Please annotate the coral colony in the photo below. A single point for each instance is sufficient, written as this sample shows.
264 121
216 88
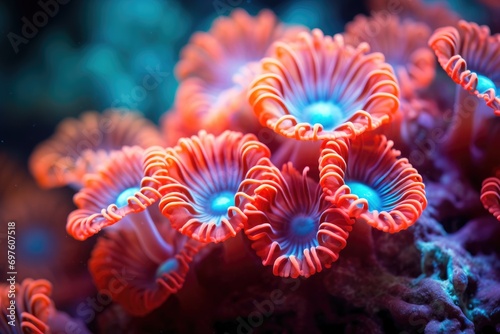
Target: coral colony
300 183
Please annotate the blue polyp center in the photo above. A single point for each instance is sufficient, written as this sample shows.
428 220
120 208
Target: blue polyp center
168 266
363 191
327 114
121 200
220 202
302 226
484 83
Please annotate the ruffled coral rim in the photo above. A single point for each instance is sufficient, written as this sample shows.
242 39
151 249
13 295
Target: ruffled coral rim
406 194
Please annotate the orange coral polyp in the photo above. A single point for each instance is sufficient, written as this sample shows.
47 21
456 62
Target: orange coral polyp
34 310
99 202
78 146
231 42
199 179
371 161
213 68
291 225
321 69
146 282
467 53
403 43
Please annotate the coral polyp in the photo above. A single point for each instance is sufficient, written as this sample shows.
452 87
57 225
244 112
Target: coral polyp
404 44
116 190
470 54
145 280
317 87
28 308
367 178
199 181
216 67
80 145
291 225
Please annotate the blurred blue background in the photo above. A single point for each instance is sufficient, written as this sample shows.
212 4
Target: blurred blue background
63 57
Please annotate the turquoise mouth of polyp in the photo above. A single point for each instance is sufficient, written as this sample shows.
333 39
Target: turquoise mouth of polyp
220 202
484 83
302 226
363 191
325 113
167 267
122 199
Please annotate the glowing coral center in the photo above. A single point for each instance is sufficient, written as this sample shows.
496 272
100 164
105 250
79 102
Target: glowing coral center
325 113
167 267
363 191
220 202
122 199
302 226
484 83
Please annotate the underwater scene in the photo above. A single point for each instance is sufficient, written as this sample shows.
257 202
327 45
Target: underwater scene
250 166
